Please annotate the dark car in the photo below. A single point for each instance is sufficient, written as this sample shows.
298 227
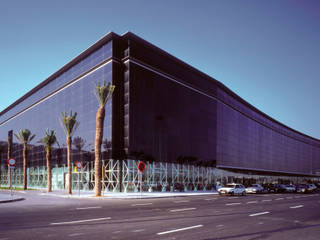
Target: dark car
305 188
274 188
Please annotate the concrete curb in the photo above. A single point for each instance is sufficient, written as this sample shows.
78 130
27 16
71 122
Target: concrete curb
12 200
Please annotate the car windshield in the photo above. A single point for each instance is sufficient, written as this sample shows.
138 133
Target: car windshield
231 185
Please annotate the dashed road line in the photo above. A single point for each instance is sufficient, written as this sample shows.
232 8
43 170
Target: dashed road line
75 234
210 199
182 201
220 225
277 199
231 204
252 202
182 209
232 197
141 204
267 200
84 208
258 214
180 229
299 206
138 230
81 221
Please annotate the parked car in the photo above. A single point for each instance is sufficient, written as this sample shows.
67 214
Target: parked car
306 188
233 189
269 187
255 188
280 188
302 188
312 187
290 188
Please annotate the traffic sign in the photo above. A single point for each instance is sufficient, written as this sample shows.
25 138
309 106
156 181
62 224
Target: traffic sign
79 165
12 162
141 166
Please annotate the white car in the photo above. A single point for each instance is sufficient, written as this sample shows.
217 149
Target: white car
290 188
255 188
233 189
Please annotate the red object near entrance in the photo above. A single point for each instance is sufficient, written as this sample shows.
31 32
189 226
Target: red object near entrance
141 166
12 162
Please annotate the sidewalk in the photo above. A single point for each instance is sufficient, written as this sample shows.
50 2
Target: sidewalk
122 195
5 197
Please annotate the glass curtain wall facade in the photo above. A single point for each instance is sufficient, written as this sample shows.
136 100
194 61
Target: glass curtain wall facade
73 89
190 129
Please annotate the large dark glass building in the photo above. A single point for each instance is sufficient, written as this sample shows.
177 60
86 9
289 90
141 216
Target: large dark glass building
190 129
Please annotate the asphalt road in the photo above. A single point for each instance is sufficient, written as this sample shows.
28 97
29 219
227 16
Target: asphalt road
266 216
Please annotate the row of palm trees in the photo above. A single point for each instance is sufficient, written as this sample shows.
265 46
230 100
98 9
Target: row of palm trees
70 124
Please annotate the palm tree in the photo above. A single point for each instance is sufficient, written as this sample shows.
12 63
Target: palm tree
70 125
24 137
47 142
104 94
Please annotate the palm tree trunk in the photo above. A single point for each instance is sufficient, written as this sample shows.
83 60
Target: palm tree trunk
97 146
49 172
24 166
69 142
0 167
9 156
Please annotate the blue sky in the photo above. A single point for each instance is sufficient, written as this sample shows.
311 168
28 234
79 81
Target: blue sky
266 51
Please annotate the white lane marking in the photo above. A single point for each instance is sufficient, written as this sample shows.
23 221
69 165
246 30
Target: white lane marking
141 204
220 225
81 221
84 208
75 234
180 229
138 230
231 204
182 209
260 223
267 200
252 202
210 199
232 197
182 201
299 206
279 199
257 214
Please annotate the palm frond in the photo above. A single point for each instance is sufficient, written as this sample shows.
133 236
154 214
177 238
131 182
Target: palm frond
104 92
23 136
69 123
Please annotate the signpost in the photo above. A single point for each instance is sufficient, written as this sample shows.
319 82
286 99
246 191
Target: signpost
79 167
12 164
141 168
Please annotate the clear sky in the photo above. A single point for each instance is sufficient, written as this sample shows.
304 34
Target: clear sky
268 52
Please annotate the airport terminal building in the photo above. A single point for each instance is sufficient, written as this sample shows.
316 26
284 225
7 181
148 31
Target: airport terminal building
190 129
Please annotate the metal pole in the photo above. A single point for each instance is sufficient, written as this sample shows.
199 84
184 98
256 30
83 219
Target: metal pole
79 181
11 172
140 184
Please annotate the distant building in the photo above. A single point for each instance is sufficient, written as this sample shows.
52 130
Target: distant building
191 130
